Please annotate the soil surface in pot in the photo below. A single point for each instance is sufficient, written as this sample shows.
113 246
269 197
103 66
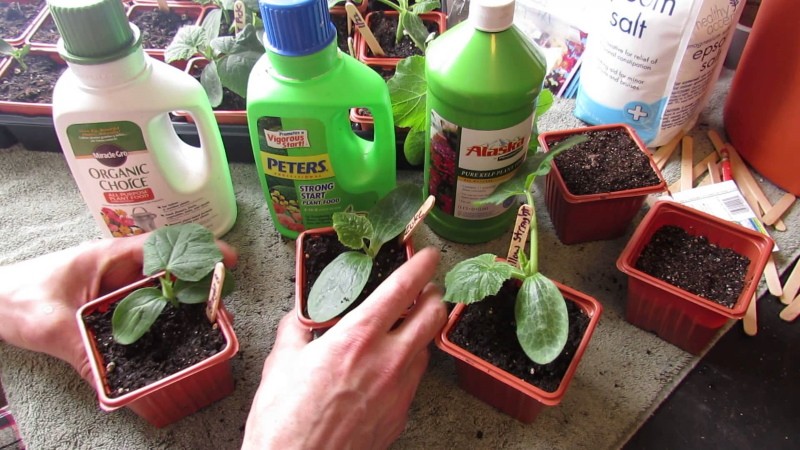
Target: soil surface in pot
180 338
384 27
487 329
695 265
320 250
340 22
46 33
16 17
34 85
159 27
609 161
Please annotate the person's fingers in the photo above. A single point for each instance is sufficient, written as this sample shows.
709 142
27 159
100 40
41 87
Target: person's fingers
393 297
291 334
411 378
229 254
425 319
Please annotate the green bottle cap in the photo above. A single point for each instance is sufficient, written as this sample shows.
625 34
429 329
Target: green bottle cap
93 31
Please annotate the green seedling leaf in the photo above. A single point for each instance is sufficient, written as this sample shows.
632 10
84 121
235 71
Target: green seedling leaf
544 102
476 278
245 41
338 285
189 40
424 6
211 24
414 147
416 30
234 70
209 79
188 251
6 48
135 314
407 89
197 292
391 214
542 320
352 229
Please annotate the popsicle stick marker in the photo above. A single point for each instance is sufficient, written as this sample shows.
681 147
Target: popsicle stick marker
792 311
419 217
215 293
750 321
351 46
519 236
687 161
361 27
163 6
792 286
773 278
239 12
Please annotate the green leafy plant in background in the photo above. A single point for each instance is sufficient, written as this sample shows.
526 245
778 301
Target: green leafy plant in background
187 255
230 58
18 54
540 310
341 282
408 91
409 22
227 6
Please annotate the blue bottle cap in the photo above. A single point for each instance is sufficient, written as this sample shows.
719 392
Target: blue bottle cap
296 27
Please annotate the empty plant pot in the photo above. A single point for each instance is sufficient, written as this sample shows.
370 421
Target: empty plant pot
502 390
178 395
598 216
302 261
678 316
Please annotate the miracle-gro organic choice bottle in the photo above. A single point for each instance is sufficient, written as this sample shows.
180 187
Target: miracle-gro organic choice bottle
111 113
483 76
310 162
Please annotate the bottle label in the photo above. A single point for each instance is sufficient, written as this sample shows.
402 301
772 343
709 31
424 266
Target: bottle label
121 182
303 192
467 165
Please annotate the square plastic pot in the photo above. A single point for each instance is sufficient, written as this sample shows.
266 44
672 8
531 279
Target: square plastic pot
502 390
675 315
363 54
300 277
18 38
193 12
593 217
176 396
21 108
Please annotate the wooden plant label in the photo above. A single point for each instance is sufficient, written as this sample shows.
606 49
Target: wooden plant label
361 27
162 6
420 215
215 293
238 16
520 234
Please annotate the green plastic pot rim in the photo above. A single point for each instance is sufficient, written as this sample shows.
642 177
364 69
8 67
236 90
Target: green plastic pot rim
588 304
108 403
300 277
661 186
627 258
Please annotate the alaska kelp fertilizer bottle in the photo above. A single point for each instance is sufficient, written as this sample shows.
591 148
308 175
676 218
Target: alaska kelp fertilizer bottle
111 113
484 76
310 162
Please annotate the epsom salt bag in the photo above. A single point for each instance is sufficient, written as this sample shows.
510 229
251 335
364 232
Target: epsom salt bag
652 63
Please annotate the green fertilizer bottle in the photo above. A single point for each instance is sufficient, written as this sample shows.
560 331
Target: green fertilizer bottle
310 162
483 76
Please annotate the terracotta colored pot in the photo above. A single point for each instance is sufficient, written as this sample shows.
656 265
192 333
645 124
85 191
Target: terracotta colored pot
19 38
675 315
365 120
191 11
502 390
22 108
300 277
176 396
593 217
226 117
363 54
361 7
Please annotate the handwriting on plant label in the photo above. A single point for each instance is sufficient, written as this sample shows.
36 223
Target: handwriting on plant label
215 292
420 215
238 16
520 234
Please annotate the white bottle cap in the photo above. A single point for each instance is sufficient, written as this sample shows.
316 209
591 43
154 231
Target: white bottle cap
491 15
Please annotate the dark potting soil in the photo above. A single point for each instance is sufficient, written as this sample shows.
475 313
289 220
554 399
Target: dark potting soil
34 85
695 265
16 17
46 33
320 250
340 22
384 28
487 329
180 338
159 27
609 161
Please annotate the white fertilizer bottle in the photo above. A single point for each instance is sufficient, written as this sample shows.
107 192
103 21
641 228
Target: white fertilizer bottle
111 113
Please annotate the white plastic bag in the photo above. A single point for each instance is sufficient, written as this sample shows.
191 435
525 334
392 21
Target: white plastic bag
652 63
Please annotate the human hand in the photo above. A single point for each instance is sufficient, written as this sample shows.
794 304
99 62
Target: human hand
352 387
40 297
